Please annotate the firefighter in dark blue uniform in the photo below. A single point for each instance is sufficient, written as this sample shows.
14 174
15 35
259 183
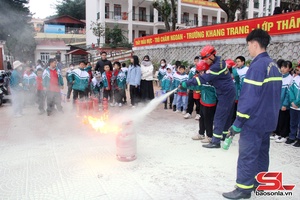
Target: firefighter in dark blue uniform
218 76
257 115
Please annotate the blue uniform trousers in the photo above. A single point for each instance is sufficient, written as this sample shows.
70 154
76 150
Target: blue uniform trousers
253 157
223 116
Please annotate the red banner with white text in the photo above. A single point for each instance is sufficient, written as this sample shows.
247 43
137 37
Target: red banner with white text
287 23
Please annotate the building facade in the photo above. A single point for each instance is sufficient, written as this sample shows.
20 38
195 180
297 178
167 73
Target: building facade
138 17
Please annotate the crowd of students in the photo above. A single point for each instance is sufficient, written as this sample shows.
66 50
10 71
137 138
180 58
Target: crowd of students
110 80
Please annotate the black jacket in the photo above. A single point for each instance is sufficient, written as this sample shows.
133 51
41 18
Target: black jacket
100 65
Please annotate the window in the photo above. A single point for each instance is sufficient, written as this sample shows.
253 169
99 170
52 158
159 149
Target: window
222 20
185 18
133 13
204 20
107 11
142 14
195 19
117 11
214 20
45 57
142 33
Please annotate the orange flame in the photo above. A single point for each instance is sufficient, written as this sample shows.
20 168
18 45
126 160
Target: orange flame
101 124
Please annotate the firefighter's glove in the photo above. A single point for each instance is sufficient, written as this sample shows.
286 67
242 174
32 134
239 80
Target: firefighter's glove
234 130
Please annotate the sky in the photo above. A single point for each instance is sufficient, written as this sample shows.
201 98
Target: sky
42 8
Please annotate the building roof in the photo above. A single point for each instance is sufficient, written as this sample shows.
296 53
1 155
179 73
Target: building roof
65 19
78 52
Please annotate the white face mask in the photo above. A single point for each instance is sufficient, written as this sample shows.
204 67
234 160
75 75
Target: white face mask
163 64
71 68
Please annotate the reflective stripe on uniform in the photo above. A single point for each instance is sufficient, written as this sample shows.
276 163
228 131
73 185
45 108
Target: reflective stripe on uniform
225 132
198 81
244 186
217 136
218 73
242 115
258 83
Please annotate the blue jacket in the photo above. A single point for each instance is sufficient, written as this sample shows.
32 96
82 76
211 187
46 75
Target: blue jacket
15 80
218 76
260 96
134 75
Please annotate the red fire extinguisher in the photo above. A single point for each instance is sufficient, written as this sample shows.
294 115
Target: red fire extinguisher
105 104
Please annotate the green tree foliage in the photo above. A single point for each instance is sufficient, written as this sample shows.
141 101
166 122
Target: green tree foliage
73 8
168 10
16 29
229 7
115 37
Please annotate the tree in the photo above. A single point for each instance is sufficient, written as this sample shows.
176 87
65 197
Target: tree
167 9
98 30
16 29
243 9
229 7
116 37
73 8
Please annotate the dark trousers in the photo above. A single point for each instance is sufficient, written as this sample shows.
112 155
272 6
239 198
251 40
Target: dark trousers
206 121
108 95
53 99
283 125
223 116
40 94
69 91
119 95
170 100
78 93
134 92
147 92
191 102
294 124
253 157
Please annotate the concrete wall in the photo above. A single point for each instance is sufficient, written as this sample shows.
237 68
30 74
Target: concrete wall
284 46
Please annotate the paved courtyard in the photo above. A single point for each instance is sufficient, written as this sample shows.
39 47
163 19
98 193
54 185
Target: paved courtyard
60 157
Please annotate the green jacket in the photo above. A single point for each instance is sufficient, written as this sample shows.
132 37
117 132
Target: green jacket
80 78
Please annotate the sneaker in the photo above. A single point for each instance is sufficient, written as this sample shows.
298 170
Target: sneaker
120 104
112 105
132 106
280 140
197 117
274 137
297 144
177 111
289 141
184 112
116 104
187 116
206 140
198 137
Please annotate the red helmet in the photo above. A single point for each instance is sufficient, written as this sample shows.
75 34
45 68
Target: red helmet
202 65
230 63
207 51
